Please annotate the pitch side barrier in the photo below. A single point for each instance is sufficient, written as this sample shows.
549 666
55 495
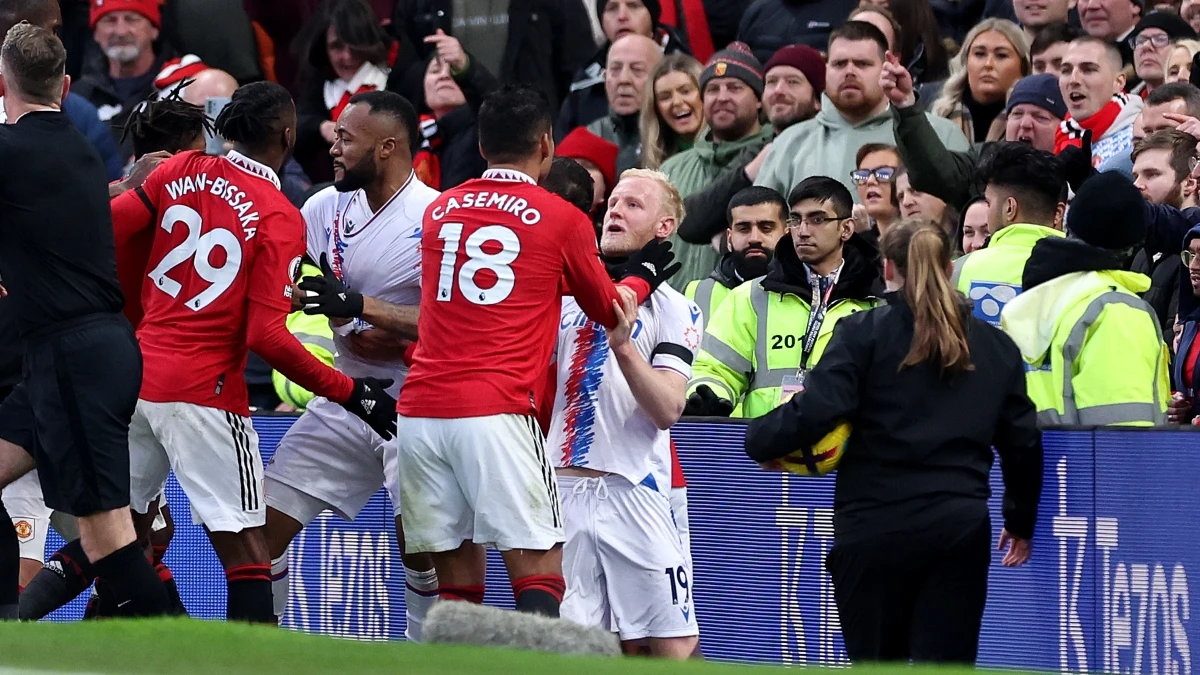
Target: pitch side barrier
1108 589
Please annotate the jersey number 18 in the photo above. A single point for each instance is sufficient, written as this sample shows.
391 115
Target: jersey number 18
498 263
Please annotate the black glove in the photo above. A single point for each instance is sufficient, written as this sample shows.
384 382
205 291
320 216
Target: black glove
1077 162
653 263
333 298
704 403
371 402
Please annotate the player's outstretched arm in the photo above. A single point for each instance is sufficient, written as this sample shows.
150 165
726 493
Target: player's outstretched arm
330 296
659 392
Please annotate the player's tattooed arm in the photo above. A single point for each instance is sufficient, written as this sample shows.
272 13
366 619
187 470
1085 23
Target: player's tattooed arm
400 320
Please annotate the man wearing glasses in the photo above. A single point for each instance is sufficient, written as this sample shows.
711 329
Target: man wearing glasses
1152 40
760 343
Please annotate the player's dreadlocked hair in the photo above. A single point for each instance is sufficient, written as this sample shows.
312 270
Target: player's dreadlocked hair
165 123
254 114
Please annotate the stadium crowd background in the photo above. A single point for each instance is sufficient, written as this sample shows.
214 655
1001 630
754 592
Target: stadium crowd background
738 102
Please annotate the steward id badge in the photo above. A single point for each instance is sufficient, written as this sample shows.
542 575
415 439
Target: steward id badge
792 385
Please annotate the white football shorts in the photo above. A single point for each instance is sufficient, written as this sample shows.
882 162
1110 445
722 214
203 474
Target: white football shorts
480 479
625 567
214 455
679 508
330 459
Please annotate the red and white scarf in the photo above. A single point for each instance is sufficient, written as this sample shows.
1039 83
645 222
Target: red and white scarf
1111 117
369 77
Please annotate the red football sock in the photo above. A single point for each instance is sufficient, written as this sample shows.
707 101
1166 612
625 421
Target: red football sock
472 594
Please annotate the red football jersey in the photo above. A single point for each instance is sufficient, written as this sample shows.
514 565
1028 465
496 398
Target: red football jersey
224 236
494 254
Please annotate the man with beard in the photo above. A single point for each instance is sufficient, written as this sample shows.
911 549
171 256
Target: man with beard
854 112
365 230
122 75
630 61
1034 112
768 332
1162 172
756 222
795 80
730 88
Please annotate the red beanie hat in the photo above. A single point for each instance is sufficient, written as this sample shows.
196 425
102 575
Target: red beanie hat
147 8
583 144
805 59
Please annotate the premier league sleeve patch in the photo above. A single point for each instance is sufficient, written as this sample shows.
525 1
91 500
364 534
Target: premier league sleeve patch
989 299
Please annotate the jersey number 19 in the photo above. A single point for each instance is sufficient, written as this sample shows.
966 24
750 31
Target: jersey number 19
498 263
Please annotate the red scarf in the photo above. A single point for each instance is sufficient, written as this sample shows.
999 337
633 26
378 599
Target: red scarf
1070 132
426 163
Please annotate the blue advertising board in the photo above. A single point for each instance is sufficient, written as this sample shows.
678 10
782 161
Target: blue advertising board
1107 589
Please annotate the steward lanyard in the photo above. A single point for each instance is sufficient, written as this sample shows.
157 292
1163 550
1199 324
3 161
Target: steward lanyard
816 313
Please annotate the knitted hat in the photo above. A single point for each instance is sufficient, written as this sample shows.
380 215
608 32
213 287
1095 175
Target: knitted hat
1107 213
583 144
1168 22
803 58
736 61
147 8
177 70
653 6
1041 90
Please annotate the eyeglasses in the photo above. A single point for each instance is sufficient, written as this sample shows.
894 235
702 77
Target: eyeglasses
815 220
1158 41
1187 257
883 174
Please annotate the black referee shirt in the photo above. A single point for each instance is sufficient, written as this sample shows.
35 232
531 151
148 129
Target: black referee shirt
57 258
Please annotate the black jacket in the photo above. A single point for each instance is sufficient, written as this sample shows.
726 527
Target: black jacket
459 152
769 25
548 40
1163 295
97 87
921 448
587 100
860 276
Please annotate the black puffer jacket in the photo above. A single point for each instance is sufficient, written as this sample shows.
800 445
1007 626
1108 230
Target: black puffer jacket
548 40
97 87
587 100
769 25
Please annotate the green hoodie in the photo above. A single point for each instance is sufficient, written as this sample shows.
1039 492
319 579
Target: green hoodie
827 144
693 170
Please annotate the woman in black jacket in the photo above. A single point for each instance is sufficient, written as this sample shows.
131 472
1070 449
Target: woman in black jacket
929 390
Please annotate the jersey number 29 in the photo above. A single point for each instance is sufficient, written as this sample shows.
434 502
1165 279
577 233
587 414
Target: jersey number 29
197 248
498 263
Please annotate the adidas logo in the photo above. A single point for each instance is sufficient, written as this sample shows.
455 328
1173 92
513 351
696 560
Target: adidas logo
56 567
368 405
650 266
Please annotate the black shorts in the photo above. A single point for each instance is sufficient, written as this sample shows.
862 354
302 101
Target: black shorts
71 411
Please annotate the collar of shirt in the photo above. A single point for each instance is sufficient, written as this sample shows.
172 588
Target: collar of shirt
814 278
508 175
252 167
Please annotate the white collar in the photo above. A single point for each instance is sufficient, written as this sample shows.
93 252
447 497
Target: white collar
253 168
33 110
511 175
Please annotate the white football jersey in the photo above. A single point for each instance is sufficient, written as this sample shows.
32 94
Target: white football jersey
376 254
597 424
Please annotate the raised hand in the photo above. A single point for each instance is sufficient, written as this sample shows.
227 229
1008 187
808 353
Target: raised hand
897 83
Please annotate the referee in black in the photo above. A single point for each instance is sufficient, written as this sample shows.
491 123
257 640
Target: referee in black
82 366
929 391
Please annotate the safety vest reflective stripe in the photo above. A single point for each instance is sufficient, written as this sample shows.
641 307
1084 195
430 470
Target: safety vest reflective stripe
726 354
317 341
703 298
1111 413
765 377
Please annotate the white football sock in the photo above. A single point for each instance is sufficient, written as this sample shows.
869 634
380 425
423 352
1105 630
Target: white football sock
420 592
280 584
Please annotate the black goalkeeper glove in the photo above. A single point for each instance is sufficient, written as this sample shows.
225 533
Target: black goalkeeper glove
371 402
1076 162
653 263
329 296
704 403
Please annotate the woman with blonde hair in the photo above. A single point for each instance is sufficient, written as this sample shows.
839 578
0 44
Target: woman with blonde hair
928 390
1179 61
672 112
994 56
